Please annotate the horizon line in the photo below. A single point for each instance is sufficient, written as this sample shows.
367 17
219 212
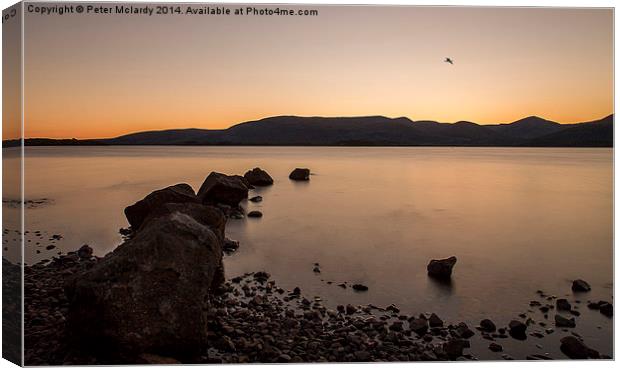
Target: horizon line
322 117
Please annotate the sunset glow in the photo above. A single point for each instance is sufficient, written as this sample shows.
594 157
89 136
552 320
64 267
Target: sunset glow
103 76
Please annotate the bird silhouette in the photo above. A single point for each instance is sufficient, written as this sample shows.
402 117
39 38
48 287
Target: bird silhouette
448 60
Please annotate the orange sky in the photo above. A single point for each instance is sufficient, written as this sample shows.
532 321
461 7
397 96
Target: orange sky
102 76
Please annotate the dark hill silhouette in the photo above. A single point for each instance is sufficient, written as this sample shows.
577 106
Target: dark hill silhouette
598 133
368 131
528 128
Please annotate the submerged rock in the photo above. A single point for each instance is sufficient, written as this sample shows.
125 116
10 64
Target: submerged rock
300 174
139 211
148 295
255 214
580 285
256 199
258 177
359 287
576 349
494 347
441 268
222 188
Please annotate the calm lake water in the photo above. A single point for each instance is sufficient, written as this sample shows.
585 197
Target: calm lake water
518 219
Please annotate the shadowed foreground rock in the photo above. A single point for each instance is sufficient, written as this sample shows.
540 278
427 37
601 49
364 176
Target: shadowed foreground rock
258 177
148 295
138 212
441 268
224 189
576 349
300 174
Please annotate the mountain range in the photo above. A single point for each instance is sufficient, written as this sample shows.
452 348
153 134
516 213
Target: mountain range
532 131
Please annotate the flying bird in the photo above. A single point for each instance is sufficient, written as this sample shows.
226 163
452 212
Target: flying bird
448 60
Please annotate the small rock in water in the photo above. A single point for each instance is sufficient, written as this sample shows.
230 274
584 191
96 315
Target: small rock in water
230 245
563 305
258 177
487 325
580 286
300 174
606 309
350 309
360 287
561 321
441 268
50 247
343 285
296 291
316 269
517 329
464 331
495 347
255 214
256 199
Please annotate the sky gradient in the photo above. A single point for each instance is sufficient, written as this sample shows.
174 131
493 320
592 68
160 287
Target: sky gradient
90 76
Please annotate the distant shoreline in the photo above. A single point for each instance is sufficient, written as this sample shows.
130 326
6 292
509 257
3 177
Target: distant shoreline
365 131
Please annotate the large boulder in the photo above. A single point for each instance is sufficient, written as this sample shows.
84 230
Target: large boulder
300 174
148 296
258 177
210 216
223 189
441 268
138 212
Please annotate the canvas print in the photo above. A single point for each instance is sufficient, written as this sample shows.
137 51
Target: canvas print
284 183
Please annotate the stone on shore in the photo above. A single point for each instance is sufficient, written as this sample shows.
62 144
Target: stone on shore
300 174
224 189
258 177
85 252
148 295
139 211
435 321
576 349
441 268
418 325
580 285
